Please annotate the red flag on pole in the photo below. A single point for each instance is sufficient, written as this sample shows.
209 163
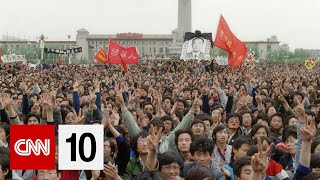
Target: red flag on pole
59 59
101 56
227 41
132 57
114 52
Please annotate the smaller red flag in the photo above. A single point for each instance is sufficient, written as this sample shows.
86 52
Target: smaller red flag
59 59
101 56
132 57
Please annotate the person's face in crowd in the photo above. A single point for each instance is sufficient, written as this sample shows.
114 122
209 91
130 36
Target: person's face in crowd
181 95
197 44
261 133
148 108
48 175
167 126
242 151
180 106
207 124
234 123
263 121
107 149
142 145
59 101
289 143
3 136
112 93
246 173
170 171
296 96
285 92
143 92
112 119
197 129
276 122
32 121
166 105
195 93
187 95
222 136
246 120
123 126
211 102
184 141
189 102
147 83
216 115
198 110
271 111
34 99
69 118
315 110
202 158
293 121
317 149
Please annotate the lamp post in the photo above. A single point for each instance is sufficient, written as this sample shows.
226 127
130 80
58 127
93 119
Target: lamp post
42 38
261 52
286 58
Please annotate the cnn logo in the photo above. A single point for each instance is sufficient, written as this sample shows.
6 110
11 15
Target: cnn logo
36 147
32 147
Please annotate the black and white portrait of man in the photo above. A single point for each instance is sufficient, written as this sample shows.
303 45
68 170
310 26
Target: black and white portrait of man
197 49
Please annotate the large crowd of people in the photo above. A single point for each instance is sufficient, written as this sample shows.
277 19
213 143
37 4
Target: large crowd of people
173 120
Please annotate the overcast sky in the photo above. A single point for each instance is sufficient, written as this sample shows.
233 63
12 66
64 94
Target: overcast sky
295 22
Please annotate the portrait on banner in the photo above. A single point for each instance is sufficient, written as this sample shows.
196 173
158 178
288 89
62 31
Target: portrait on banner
196 46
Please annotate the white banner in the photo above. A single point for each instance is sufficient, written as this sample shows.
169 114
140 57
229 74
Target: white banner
222 61
13 58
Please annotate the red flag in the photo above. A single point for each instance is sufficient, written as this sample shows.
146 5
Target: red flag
227 41
59 59
114 52
124 64
101 56
132 57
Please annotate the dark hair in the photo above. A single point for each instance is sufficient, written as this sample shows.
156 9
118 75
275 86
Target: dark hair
231 115
196 121
112 145
200 172
182 131
314 145
166 118
239 164
134 141
205 117
156 122
169 98
312 176
287 119
6 128
240 141
256 127
5 165
149 175
182 101
218 128
201 144
289 131
298 93
32 115
315 160
170 157
109 134
253 149
279 115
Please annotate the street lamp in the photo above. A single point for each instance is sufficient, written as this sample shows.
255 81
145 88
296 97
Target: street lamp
286 58
42 38
261 52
